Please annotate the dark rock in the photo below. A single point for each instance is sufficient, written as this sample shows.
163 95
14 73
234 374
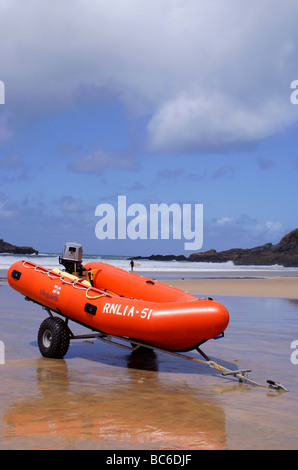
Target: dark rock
284 253
22 250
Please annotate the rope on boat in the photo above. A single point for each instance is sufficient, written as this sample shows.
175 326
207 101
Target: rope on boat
76 283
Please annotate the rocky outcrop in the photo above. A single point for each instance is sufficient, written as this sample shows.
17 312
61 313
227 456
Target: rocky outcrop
22 250
284 253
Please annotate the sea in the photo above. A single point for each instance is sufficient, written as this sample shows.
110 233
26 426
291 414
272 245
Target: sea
160 269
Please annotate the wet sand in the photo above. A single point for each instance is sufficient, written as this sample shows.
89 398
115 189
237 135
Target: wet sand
104 397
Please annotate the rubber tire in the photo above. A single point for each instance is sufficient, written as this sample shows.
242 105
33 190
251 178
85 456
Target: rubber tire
53 338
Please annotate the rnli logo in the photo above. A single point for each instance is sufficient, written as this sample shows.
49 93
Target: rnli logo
56 290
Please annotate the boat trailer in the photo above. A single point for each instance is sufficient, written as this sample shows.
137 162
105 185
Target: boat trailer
240 374
134 345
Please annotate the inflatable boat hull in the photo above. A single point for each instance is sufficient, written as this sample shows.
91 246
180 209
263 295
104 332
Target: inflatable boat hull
173 320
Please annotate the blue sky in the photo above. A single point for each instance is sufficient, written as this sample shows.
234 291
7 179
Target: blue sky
167 101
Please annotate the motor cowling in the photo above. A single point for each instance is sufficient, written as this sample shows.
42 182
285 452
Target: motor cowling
72 257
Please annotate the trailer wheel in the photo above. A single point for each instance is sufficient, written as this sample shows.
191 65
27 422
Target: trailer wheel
53 338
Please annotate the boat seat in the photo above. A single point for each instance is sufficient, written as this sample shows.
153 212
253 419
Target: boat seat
70 276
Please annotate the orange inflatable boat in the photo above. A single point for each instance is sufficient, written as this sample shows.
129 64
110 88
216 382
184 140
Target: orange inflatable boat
117 304
120 303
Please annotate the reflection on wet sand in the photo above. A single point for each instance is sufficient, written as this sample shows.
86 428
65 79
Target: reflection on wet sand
140 411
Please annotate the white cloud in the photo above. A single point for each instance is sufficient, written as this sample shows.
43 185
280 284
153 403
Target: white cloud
245 223
206 74
274 227
200 123
224 220
245 231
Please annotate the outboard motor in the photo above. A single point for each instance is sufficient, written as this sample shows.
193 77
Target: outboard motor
72 256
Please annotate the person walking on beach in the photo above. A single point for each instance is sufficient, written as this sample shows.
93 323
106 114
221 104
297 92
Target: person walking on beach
132 263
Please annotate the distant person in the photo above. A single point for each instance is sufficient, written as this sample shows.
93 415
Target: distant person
132 263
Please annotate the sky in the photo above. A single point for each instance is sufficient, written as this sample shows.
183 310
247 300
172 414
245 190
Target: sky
160 101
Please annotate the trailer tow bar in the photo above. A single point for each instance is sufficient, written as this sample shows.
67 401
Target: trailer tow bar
240 374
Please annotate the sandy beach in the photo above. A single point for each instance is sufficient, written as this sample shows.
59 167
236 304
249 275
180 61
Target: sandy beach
103 397
284 287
